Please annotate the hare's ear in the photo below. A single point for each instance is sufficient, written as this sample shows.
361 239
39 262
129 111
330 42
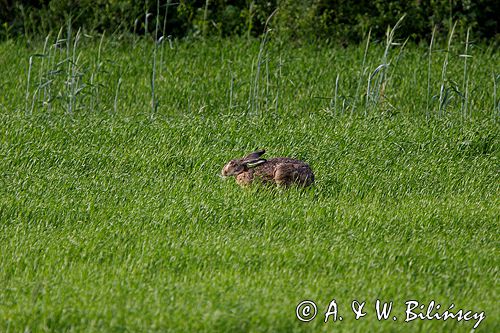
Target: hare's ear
253 157
254 163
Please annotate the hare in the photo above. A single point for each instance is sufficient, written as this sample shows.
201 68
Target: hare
281 171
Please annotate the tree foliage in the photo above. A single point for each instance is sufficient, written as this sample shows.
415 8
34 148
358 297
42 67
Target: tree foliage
344 21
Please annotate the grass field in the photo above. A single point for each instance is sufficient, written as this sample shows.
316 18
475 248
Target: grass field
113 217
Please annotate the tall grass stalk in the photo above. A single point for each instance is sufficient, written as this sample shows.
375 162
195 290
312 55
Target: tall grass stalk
154 103
29 110
94 82
429 70
278 85
394 64
68 72
205 16
389 43
336 92
267 82
250 19
42 66
255 91
41 84
231 87
369 87
362 72
146 21
27 95
465 88
255 94
74 75
163 32
53 57
442 95
496 105
117 92
134 34
381 70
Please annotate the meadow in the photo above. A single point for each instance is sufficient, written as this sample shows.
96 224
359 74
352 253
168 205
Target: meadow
113 216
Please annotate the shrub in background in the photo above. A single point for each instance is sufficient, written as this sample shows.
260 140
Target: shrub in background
344 21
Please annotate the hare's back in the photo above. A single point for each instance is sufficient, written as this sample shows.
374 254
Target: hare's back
289 171
268 169
286 160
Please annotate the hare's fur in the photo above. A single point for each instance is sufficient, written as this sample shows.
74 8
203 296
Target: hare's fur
281 171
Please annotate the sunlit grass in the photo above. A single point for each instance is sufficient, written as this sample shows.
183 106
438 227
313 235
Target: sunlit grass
115 219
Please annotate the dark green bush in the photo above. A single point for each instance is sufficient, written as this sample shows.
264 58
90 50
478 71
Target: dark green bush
344 21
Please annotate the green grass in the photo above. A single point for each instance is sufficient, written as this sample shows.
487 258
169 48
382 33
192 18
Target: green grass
113 218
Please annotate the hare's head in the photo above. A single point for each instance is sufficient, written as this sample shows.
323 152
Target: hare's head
237 166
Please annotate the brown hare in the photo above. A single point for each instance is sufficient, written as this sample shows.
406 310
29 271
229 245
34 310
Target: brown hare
281 170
